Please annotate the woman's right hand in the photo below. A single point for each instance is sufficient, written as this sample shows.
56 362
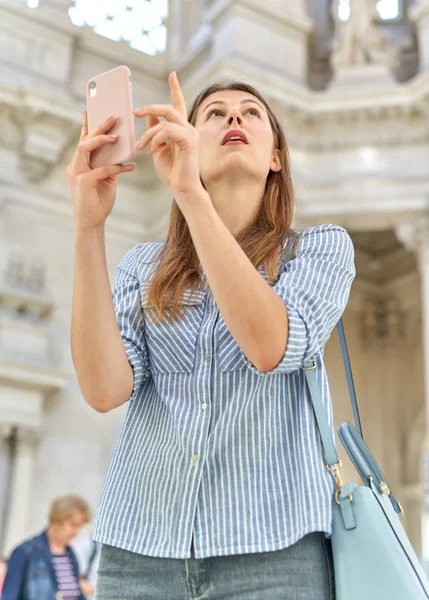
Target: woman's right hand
93 190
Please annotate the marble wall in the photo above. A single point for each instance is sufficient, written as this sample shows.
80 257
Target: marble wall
359 154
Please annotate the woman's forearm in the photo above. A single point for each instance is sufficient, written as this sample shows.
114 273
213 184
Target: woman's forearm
104 373
255 315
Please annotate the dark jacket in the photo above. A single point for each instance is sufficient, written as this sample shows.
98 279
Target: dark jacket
30 573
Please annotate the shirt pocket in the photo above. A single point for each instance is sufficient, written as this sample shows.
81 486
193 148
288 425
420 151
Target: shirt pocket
229 355
172 344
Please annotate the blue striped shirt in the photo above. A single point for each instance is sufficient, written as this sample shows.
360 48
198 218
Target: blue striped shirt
209 446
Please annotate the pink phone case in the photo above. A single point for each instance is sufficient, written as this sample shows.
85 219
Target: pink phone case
113 96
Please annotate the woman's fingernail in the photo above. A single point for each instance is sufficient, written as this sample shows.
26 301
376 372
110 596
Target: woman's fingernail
113 137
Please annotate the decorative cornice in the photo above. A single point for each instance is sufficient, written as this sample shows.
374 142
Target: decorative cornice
294 18
42 131
41 379
319 121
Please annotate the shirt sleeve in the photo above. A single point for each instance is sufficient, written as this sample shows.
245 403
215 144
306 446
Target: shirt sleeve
129 315
315 287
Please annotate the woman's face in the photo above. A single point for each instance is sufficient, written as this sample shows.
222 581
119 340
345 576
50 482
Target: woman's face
253 155
69 528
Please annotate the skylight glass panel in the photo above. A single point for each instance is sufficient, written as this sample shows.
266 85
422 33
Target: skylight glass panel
143 44
158 37
344 10
108 30
146 16
387 9
75 17
92 12
114 7
127 26
139 22
161 7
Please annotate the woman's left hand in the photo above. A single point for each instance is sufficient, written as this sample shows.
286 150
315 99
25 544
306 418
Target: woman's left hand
174 143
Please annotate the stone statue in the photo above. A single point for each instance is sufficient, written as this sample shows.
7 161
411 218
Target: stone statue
360 41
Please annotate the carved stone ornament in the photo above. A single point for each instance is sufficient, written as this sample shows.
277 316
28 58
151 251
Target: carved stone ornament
383 320
22 287
360 41
414 234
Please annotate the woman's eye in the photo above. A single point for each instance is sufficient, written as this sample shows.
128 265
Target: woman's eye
214 111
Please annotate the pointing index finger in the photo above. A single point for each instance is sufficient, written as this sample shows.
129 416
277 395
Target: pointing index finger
176 94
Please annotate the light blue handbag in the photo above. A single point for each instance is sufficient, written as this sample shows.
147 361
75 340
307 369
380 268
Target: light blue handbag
373 558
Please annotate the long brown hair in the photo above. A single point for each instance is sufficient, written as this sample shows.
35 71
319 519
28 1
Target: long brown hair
262 241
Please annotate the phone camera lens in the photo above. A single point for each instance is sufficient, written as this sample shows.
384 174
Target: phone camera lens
92 85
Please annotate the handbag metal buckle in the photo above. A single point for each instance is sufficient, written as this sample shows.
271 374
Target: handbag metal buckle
337 493
335 470
310 368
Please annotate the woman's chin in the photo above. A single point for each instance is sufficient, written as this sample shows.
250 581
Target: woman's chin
230 164
231 168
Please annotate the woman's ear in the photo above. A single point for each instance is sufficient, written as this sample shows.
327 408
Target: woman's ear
276 163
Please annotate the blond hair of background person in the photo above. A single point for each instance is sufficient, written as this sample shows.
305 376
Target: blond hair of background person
44 567
217 487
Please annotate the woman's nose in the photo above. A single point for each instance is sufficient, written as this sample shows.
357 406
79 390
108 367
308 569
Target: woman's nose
234 116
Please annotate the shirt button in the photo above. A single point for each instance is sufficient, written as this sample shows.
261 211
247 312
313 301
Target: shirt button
205 357
204 406
195 458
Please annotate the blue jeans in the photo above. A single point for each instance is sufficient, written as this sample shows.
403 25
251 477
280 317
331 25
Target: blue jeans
303 571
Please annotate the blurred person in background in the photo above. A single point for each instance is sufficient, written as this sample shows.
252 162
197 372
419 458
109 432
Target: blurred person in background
45 567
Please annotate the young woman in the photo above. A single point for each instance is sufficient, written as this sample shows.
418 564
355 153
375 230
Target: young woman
217 486
45 567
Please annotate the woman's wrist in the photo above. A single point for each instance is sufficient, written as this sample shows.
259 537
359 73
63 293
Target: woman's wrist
85 233
193 200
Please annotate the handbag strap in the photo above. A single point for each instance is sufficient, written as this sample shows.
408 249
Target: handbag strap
309 368
349 375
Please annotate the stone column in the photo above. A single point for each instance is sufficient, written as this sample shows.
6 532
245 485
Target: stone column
419 15
415 235
20 489
5 465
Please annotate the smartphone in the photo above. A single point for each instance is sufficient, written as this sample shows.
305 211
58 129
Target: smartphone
110 93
